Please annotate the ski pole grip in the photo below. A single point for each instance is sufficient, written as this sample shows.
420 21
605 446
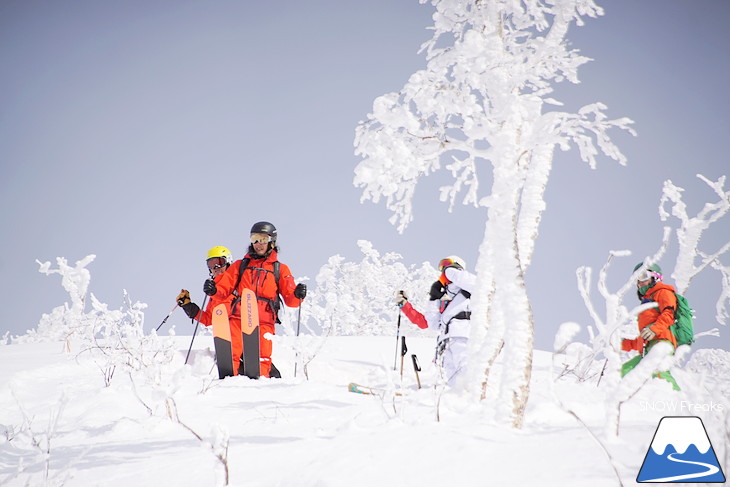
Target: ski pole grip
415 362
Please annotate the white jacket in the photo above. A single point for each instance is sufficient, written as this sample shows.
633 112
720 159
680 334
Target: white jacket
441 314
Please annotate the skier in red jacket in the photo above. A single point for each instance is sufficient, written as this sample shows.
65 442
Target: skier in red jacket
259 275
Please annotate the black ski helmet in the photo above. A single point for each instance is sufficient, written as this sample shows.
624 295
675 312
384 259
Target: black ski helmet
267 228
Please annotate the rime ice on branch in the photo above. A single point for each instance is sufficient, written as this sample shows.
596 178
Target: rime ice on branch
75 280
689 234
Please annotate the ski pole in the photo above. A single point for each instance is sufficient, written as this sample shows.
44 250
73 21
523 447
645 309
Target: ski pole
602 371
166 317
299 320
197 322
403 351
397 335
416 368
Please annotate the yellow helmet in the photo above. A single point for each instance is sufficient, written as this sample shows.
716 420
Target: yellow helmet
220 251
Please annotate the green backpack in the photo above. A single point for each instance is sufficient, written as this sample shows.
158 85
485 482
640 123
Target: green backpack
683 329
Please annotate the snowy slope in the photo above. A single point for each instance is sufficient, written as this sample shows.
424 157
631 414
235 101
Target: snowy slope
293 431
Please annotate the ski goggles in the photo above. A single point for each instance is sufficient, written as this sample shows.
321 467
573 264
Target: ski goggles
260 238
215 263
646 274
444 263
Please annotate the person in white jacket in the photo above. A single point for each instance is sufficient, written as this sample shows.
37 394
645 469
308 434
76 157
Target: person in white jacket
449 312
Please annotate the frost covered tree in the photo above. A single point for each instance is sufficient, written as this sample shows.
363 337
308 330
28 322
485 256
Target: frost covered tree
689 234
113 338
482 108
357 298
65 322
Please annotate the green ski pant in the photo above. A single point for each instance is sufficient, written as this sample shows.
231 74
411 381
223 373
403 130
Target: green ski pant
666 375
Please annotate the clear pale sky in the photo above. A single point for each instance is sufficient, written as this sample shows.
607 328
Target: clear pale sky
147 132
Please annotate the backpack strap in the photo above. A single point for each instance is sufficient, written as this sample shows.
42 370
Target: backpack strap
243 265
674 310
236 297
463 315
275 304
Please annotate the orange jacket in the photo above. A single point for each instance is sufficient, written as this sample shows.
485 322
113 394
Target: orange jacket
659 318
259 277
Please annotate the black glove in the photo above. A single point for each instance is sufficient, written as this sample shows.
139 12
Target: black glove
191 309
300 291
401 298
437 290
183 298
209 287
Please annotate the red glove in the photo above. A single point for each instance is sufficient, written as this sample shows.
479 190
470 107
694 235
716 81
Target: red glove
628 345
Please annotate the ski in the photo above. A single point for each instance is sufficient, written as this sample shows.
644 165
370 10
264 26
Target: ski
250 331
222 341
361 389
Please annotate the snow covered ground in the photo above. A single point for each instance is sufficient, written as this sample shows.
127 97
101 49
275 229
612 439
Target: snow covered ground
60 424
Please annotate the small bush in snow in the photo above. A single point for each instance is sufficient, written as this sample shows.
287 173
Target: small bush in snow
358 298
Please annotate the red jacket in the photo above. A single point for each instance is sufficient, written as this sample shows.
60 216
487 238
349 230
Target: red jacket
259 277
414 315
658 318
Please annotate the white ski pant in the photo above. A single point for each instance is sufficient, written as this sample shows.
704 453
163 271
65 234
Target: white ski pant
453 359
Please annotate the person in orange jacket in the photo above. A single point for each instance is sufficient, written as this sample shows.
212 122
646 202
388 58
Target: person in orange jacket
654 322
218 260
259 275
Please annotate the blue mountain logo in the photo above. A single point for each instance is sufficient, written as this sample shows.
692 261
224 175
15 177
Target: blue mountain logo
681 452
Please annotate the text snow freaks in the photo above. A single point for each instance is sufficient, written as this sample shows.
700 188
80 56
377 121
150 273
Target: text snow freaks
680 407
